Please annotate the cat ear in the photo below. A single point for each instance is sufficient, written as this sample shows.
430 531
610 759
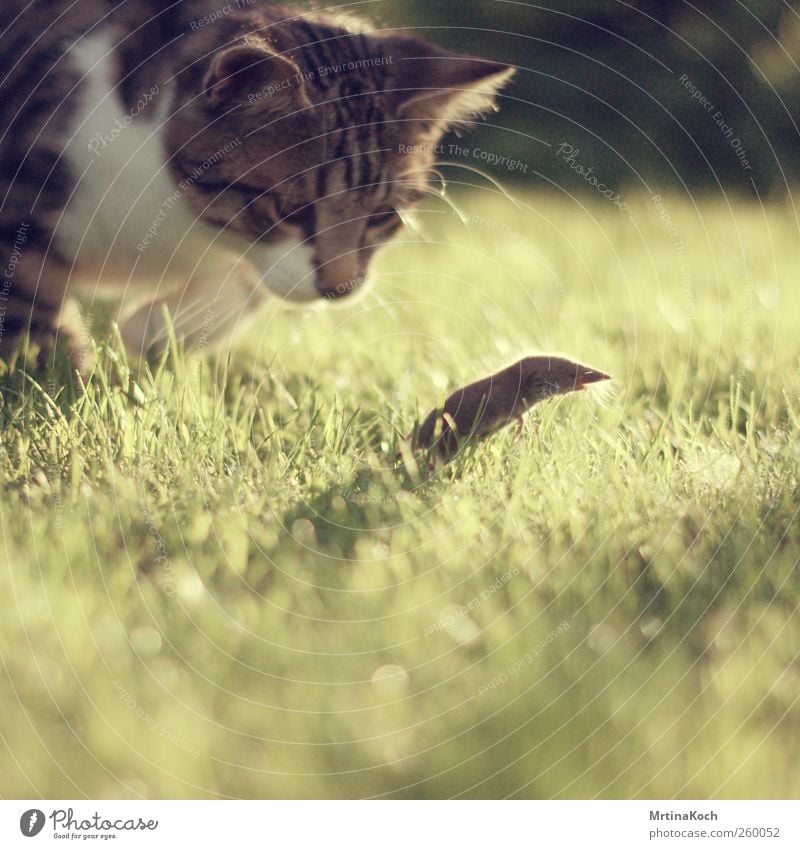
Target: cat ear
443 88
255 75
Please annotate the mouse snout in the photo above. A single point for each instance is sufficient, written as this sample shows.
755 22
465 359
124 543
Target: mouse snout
587 376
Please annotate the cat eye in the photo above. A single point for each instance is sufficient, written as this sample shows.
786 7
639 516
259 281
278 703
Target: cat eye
382 216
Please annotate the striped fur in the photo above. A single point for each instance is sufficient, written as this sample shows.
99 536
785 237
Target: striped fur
199 156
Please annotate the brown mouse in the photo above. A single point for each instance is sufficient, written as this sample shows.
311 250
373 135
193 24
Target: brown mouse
494 402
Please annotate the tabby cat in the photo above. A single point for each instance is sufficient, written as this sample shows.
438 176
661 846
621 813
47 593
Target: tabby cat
201 156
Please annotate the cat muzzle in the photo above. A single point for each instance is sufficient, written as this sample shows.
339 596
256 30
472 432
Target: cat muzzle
339 277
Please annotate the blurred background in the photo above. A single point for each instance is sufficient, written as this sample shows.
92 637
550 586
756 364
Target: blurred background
219 582
694 95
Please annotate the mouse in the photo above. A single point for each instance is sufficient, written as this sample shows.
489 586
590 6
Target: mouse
493 402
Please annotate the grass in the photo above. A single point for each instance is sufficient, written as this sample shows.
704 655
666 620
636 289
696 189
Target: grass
219 583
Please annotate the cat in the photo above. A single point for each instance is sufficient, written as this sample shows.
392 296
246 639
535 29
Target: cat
201 157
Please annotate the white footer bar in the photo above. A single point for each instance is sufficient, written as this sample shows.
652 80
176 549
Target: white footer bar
402 825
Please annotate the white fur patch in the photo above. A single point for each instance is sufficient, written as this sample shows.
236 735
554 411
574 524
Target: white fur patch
287 270
127 223
124 187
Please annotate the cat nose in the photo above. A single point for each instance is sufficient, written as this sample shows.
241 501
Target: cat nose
339 277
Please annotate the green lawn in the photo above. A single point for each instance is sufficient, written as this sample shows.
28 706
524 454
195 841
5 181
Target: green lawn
221 583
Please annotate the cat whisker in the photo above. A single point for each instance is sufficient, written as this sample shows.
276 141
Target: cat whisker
488 177
443 196
384 303
427 173
395 289
442 179
410 222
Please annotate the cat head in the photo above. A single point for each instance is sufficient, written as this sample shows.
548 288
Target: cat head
306 139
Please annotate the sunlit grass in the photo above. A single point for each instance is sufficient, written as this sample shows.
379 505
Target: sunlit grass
218 581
